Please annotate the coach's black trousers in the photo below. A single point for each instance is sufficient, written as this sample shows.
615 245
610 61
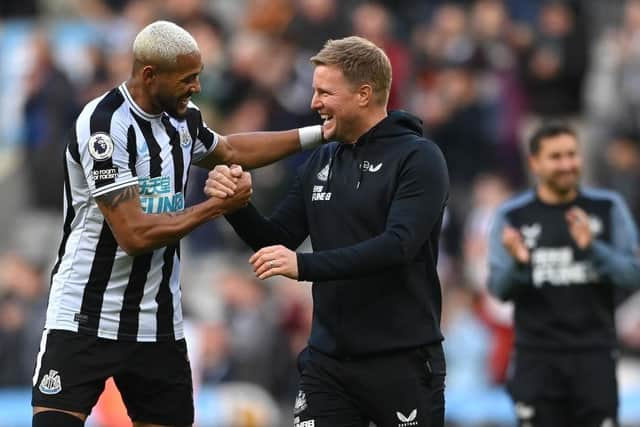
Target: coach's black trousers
398 389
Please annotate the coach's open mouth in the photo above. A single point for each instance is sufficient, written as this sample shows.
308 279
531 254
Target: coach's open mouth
327 119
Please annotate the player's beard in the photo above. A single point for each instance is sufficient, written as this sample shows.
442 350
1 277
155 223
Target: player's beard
169 104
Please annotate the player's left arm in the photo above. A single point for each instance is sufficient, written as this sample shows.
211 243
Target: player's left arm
256 149
619 260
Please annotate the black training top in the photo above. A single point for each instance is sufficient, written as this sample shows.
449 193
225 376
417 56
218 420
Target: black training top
564 296
373 210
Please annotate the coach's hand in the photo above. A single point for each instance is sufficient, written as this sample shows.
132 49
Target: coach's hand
222 181
273 261
513 243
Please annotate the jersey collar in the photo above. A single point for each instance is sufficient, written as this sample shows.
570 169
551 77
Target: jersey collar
136 108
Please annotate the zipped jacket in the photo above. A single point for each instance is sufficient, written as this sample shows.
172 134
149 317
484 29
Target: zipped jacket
373 211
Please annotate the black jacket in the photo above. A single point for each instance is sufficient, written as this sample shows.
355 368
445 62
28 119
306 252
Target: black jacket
373 210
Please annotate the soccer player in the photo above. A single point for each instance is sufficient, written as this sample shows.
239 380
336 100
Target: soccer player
372 203
114 307
557 251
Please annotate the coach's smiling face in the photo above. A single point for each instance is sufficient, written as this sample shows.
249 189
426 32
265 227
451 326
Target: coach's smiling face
339 103
171 86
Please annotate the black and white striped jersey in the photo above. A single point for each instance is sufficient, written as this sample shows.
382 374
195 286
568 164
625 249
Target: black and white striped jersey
96 288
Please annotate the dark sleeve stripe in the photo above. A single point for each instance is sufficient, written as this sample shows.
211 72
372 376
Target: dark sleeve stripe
132 149
155 167
68 219
176 154
206 136
129 314
100 121
164 298
194 120
73 144
95 288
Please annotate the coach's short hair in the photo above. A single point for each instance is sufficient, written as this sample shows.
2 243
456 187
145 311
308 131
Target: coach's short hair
549 130
161 42
361 62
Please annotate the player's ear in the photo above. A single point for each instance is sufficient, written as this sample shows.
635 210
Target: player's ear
149 74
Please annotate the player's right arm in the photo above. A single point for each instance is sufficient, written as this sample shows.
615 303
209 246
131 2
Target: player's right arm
138 232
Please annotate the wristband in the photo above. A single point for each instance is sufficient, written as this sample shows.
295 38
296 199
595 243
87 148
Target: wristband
310 137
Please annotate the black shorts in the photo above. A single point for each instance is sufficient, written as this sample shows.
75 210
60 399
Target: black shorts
400 389
564 389
153 378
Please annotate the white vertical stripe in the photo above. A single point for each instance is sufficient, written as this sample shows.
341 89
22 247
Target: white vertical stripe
176 295
148 306
113 297
43 346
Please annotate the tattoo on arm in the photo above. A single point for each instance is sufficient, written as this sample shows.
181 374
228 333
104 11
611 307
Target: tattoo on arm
113 198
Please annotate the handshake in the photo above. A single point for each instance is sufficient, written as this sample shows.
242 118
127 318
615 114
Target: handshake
231 184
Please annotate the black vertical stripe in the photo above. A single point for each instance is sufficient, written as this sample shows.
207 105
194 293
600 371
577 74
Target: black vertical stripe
68 218
100 121
101 267
129 315
155 160
176 152
164 298
132 149
134 292
194 120
107 246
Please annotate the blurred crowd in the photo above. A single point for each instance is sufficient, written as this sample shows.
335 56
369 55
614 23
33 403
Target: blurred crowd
479 73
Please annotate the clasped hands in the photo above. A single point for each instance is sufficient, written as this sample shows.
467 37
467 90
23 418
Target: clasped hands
232 183
579 228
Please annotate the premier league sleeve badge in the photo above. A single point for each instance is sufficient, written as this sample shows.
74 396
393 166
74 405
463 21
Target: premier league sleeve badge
100 146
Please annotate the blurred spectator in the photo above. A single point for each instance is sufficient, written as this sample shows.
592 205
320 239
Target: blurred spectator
49 113
553 66
498 84
316 21
373 22
18 8
443 39
619 169
612 92
269 16
488 192
456 119
258 347
22 307
467 343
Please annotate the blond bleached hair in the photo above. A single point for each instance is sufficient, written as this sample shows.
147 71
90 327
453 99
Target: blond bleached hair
361 62
161 42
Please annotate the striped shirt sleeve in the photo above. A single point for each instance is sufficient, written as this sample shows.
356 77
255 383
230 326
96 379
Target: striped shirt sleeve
103 146
206 139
